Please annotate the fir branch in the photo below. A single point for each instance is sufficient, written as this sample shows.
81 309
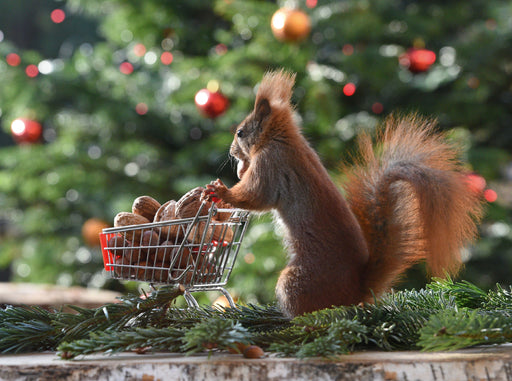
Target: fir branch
257 318
132 311
137 339
189 317
388 327
500 300
27 329
393 323
341 337
24 329
466 294
253 317
17 314
205 334
436 318
214 333
285 342
303 330
456 329
425 300
397 319
28 336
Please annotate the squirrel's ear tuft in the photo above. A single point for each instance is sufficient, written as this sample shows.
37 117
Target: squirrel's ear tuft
276 87
262 110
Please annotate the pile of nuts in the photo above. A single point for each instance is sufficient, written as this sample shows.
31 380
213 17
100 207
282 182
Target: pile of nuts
148 253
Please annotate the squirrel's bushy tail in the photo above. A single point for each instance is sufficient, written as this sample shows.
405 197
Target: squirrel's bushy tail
410 194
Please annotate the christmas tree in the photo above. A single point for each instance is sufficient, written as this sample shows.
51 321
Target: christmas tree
104 101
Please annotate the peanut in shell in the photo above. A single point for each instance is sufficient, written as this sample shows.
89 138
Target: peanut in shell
128 219
167 253
145 206
123 249
188 205
167 212
149 240
148 272
198 230
253 352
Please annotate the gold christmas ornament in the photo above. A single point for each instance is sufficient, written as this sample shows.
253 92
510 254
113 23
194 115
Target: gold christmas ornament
91 230
290 25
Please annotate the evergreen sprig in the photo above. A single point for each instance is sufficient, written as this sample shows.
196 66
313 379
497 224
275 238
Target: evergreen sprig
338 338
392 323
28 329
456 329
214 333
24 329
112 341
446 315
257 318
466 294
253 317
133 311
499 300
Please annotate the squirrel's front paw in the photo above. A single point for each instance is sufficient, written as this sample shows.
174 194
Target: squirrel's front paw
214 191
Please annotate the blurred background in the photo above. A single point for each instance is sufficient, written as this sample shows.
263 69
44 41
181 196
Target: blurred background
102 101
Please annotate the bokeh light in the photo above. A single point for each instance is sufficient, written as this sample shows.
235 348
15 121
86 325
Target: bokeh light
476 182
221 49
213 85
141 108
58 16
139 50
32 71
377 108
126 68
13 59
166 58
490 195
349 89
348 49
417 60
150 58
249 258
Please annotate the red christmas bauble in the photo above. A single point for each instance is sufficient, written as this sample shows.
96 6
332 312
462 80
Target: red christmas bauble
26 131
417 60
290 24
211 104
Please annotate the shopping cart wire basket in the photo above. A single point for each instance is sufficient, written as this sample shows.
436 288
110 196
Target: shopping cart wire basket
197 252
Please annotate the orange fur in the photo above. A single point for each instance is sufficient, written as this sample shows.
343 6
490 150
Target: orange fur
412 201
407 201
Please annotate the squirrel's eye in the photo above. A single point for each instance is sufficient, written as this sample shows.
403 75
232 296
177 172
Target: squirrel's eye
240 133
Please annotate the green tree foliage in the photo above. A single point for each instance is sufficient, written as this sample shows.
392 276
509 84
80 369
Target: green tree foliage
98 153
444 316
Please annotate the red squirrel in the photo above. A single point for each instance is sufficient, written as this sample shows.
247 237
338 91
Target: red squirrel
407 200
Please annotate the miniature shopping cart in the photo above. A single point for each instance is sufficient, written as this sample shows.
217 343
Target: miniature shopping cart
197 252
